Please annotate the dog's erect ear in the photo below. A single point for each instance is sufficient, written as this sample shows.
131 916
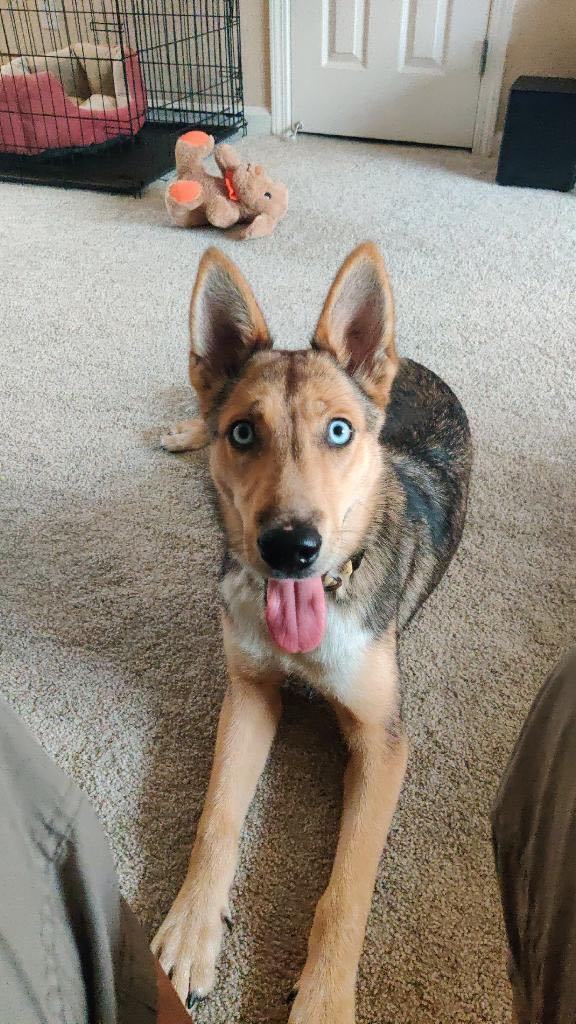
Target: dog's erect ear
226 326
357 322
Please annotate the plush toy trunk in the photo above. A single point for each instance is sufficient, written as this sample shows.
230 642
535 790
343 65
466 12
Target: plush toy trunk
80 96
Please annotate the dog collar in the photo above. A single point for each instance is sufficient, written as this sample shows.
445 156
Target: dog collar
333 581
230 186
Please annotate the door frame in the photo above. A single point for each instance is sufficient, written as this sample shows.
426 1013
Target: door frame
498 36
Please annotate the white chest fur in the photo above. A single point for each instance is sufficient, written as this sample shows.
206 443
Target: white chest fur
331 668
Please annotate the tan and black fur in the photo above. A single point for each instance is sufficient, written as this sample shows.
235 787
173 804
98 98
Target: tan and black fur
389 507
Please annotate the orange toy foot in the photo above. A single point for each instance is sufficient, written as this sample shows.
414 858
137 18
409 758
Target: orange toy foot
195 138
185 191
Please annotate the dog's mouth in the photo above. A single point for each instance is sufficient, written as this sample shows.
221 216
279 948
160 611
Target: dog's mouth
296 613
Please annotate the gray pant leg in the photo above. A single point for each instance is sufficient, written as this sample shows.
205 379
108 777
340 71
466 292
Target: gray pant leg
71 951
534 830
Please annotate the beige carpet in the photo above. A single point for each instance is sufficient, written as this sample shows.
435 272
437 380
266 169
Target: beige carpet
110 643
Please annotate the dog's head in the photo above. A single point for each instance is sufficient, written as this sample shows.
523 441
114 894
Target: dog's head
294 452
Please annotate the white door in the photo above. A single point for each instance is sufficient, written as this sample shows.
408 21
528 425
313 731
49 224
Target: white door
405 70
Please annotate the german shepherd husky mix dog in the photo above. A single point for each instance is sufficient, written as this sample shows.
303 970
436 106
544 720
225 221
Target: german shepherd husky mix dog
342 477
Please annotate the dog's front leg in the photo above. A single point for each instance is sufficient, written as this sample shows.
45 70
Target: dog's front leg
186 436
374 775
189 940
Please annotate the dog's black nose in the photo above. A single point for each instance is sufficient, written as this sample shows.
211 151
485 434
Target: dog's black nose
290 549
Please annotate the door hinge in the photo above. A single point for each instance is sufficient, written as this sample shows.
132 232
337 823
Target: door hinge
483 57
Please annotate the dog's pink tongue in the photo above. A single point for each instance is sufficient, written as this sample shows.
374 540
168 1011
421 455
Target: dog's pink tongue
296 613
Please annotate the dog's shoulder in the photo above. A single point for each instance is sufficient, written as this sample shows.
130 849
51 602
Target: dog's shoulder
427 438
426 445
425 419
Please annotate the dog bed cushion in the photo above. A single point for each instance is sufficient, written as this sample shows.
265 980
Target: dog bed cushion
79 96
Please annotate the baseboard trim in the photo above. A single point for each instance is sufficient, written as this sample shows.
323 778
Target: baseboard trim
497 143
258 120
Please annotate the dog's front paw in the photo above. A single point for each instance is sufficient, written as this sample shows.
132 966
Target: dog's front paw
187 945
189 435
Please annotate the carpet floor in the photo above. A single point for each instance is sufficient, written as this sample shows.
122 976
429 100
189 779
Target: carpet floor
110 644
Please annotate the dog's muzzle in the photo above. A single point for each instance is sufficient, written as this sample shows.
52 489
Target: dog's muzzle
290 549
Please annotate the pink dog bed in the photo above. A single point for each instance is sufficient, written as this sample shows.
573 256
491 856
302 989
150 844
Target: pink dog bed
83 95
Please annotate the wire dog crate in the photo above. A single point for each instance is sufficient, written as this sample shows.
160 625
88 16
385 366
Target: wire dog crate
94 93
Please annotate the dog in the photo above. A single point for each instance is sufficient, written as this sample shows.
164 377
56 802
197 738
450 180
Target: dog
342 475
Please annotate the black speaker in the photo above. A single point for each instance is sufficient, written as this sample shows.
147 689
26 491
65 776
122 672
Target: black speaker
539 143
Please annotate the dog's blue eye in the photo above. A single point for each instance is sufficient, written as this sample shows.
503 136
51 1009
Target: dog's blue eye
241 434
339 432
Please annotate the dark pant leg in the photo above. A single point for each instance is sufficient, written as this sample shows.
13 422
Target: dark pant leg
534 830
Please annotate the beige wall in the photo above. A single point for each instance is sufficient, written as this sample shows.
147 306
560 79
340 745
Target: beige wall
256 52
543 42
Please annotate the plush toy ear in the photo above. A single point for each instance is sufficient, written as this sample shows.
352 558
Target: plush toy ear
226 157
226 326
357 322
